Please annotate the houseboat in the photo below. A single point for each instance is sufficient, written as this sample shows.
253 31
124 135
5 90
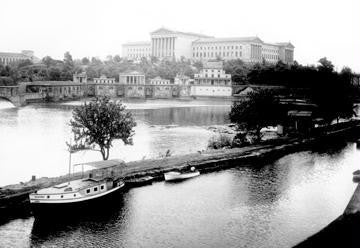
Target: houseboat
96 186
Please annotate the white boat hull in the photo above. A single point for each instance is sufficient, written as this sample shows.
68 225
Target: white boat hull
176 176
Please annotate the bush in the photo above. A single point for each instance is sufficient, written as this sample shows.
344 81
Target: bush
240 139
220 141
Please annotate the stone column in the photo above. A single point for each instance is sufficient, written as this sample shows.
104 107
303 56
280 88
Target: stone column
166 47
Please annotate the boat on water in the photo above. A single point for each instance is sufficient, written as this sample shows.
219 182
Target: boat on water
178 176
97 186
138 182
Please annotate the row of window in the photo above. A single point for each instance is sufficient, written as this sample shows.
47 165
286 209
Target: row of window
216 47
106 81
138 49
216 54
88 191
270 50
160 82
271 56
95 189
67 89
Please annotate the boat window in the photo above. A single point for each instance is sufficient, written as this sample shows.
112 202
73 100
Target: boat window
87 191
95 189
74 195
62 196
48 196
102 187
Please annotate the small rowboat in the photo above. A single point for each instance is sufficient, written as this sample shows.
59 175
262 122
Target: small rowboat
138 182
178 176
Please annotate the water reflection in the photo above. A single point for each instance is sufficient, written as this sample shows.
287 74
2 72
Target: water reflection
89 229
273 205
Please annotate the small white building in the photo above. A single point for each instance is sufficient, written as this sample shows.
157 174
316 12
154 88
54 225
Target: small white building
212 81
159 81
104 80
183 80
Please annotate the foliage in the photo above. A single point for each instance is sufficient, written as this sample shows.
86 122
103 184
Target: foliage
258 110
240 140
100 122
220 141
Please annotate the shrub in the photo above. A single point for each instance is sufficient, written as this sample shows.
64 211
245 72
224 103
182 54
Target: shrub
220 141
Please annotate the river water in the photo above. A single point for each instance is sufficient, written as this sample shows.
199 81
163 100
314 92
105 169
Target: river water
32 138
273 205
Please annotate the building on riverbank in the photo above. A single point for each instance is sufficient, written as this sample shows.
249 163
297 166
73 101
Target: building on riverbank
171 44
104 80
105 86
212 81
10 58
132 84
56 90
80 77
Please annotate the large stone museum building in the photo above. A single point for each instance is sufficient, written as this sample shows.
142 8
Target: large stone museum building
166 43
9 58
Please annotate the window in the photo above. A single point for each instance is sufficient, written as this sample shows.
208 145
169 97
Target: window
102 187
87 191
62 196
48 196
95 189
74 195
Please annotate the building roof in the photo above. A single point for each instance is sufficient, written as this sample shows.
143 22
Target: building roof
286 44
169 31
234 39
13 55
53 83
131 73
138 43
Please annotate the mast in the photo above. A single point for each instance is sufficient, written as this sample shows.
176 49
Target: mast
69 162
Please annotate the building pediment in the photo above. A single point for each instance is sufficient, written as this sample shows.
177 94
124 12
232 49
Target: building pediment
163 31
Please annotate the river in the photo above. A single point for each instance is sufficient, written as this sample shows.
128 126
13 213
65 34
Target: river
273 205
32 138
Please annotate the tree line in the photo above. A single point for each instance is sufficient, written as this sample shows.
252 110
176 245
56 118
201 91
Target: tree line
50 69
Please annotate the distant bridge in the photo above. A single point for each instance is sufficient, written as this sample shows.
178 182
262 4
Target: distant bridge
11 93
17 94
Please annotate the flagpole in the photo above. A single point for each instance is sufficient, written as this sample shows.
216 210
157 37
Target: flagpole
69 162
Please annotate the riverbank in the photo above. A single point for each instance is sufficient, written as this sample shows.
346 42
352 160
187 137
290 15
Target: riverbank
14 198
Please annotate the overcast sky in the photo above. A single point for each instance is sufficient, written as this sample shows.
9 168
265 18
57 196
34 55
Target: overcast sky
317 28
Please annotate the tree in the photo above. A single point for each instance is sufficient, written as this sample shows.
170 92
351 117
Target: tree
325 65
85 61
100 122
258 110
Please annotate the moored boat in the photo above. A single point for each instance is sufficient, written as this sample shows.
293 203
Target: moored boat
98 186
138 182
178 176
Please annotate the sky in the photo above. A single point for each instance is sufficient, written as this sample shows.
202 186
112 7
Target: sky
97 28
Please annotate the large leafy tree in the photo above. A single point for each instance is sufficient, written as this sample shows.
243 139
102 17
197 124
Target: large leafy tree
99 122
258 110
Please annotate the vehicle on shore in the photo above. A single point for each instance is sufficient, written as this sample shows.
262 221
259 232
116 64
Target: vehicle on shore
179 176
98 186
